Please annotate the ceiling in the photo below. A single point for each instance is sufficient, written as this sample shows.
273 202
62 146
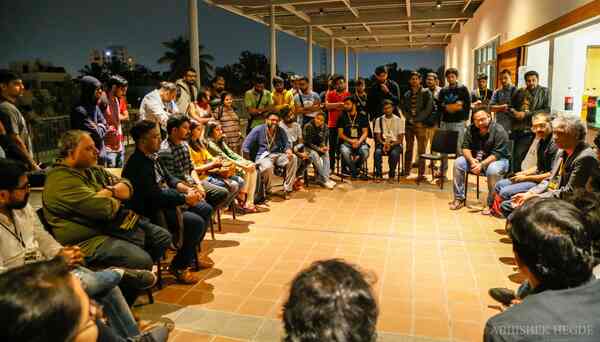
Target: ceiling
362 25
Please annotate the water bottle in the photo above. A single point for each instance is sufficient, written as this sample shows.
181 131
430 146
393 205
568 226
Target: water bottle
591 107
569 100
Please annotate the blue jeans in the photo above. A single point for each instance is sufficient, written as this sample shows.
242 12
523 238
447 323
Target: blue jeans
121 253
506 189
493 172
360 154
458 127
236 183
393 159
102 286
195 223
115 159
321 164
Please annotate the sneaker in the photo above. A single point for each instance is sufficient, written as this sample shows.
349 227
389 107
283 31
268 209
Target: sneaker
329 185
502 295
139 279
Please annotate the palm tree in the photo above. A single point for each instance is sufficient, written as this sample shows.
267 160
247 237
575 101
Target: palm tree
178 58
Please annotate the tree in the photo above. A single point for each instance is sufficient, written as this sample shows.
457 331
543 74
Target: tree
96 70
178 58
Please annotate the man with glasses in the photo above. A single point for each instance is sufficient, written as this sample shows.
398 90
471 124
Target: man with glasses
484 151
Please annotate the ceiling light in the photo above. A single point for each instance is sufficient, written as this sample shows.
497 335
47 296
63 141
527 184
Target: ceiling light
428 36
343 27
438 4
432 24
321 11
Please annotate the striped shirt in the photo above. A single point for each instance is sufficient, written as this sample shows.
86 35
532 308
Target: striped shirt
230 124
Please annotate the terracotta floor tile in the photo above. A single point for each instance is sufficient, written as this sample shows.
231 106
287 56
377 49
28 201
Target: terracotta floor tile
465 311
196 298
401 307
185 336
395 324
225 303
169 295
256 307
267 291
436 328
467 331
225 339
430 309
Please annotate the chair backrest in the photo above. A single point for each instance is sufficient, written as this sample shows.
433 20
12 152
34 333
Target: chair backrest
444 141
45 224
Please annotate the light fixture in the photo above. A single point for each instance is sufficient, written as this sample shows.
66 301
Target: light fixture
438 4
321 11
432 24
428 36
343 27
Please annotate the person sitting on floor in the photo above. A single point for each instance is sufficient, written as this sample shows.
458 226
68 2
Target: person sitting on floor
576 167
316 142
217 146
174 155
83 205
485 151
157 190
553 249
353 129
216 171
23 240
543 150
330 301
293 130
268 145
389 134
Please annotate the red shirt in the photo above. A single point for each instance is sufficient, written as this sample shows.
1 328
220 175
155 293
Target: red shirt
334 97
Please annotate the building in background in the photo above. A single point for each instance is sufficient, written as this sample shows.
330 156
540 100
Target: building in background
39 74
111 54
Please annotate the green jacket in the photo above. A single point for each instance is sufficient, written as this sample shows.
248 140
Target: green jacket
71 193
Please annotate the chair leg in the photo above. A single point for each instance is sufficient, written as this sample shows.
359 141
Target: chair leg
232 208
466 184
212 229
159 282
219 220
477 187
442 174
150 296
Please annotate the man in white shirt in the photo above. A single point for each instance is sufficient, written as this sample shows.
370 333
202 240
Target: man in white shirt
159 105
389 134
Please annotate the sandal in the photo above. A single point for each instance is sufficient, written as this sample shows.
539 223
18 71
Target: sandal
250 210
184 276
457 204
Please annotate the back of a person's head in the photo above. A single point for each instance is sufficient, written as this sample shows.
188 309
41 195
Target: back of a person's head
7 76
38 303
176 121
141 128
550 237
589 204
10 172
330 302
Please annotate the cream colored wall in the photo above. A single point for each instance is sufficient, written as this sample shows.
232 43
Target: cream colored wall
507 18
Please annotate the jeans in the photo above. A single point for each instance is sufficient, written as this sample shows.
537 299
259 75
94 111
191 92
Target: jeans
393 159
360 154
458 127
333 146
102 286
216 195
115 159
506 189
120 253
234 185
522 140
493 172
419 132
321 164
266 167
195 223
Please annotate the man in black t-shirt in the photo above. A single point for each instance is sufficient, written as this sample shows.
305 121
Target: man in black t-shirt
353 129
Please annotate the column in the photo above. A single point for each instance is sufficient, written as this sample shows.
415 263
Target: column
194 40
273 56
347 65
332 54
309 53
356 71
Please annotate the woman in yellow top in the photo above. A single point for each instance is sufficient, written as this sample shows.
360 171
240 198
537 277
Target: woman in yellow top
215 170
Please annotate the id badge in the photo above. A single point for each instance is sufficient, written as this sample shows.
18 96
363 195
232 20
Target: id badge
32 255
354 132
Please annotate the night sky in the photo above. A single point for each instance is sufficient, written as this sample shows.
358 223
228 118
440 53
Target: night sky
65 31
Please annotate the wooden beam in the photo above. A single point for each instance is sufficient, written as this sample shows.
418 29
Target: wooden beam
292 9
352 9
467 3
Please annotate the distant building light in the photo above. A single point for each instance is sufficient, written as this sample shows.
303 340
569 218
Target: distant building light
107 53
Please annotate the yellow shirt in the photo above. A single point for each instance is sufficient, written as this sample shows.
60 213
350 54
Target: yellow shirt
283 99
200 158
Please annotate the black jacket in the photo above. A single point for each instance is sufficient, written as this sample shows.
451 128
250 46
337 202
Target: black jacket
424 108
452 95
148 197
314 137
376 96
495 142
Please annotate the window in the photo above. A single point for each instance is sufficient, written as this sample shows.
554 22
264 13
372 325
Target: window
485 62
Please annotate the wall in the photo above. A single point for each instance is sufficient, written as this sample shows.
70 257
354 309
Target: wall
507 18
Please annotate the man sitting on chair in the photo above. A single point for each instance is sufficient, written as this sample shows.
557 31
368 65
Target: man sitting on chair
272 146
353 129
389 134
485 150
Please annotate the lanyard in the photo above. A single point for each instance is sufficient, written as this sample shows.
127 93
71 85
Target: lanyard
16 234
271 140
352 121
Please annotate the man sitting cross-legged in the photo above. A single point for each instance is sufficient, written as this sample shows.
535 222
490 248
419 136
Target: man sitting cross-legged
271 146
157 190
23 240
485 150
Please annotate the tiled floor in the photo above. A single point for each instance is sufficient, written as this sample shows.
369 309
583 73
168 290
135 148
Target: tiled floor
431 266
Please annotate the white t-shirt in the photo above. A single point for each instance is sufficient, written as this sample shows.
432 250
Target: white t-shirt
391 127
530 159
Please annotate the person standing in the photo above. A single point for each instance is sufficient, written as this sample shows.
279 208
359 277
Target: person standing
11 87
417 109
87 116
383 89
455 105
361 97
114 115
229 122
307 102
432 125
217 88
501 101
527 101
187 93
258 102
283 99
482 95
159 105
335 105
